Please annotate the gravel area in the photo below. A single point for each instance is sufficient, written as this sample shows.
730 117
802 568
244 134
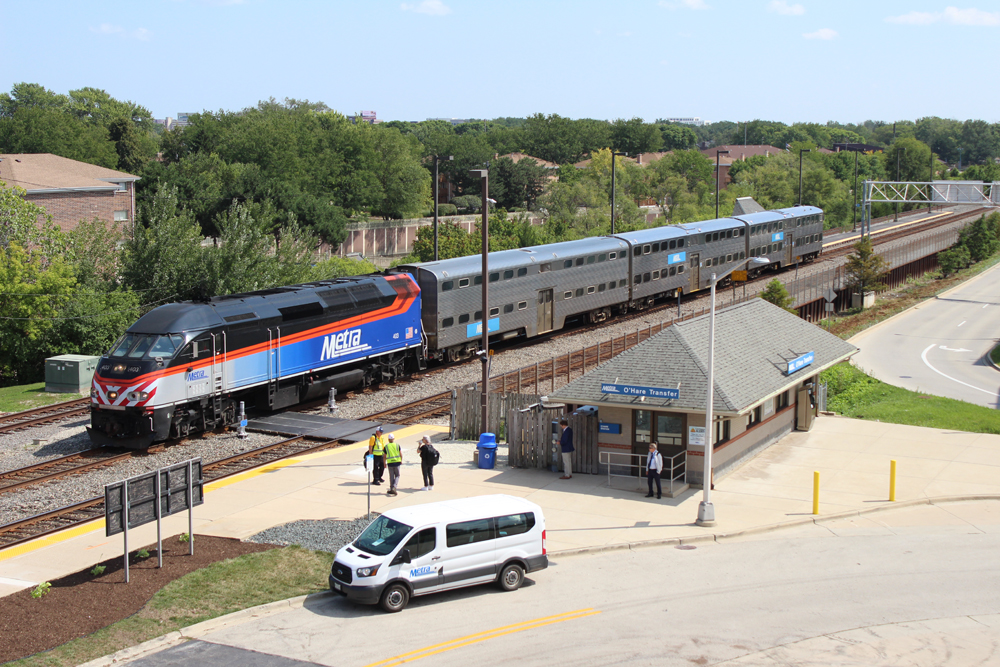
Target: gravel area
332 534
66 491
17 449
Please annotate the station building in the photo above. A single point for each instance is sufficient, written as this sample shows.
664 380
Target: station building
766 363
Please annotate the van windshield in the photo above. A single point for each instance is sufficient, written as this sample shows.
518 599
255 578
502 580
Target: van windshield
382 536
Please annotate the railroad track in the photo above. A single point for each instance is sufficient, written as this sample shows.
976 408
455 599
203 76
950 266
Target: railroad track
63 466
49 414
24 530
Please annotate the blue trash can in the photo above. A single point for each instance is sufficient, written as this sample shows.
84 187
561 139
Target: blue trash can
487 451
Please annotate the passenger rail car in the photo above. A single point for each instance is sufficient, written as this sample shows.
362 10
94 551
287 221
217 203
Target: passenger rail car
186 366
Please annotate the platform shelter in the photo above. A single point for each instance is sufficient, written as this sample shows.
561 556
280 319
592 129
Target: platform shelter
766 365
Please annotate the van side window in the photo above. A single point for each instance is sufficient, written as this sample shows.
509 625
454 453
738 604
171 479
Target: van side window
469 532
515 524
422 543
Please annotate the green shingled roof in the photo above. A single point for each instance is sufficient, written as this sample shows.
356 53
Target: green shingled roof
753 343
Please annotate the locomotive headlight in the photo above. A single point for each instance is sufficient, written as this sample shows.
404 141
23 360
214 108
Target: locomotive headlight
119 368
143 395
112 395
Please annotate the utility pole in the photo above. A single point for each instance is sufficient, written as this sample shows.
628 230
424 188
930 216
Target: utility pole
484 404
613 170
437 158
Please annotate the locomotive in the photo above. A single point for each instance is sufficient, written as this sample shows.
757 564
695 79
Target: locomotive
185 367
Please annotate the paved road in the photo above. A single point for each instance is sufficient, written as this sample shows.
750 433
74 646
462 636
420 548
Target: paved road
940 347
916 586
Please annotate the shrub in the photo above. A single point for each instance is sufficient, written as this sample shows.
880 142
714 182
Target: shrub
954 259
41 589
183 537
98 570
142 553
468 202
447 209
776 293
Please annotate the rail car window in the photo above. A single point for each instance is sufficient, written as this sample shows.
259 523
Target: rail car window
646 249
579 291
672 245
568 295
478 316
509 308
680 269
463 318
673 271
591 259
611 256
656 247
729 258
602 257
622 282
464 282
821 236
494 312
743 254
636 251
591 289
508 274
611 285
656 275
494 277
579 261
601 287
567 264
522 272
645 277
545 268
477 280
729 234
447 285
521 305
447 322
680 243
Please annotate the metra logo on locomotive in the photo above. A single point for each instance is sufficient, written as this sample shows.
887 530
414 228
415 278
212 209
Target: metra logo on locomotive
337 344
197 375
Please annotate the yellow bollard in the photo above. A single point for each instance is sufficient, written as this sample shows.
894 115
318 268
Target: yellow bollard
816 492
892 481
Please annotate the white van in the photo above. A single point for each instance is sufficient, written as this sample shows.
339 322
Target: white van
435 547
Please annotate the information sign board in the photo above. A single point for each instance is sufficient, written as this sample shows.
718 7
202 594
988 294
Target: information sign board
696 435
610 428
142 496
801 362
634 390
739 276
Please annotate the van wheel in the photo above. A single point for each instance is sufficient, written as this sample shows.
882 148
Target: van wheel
511 577
394 598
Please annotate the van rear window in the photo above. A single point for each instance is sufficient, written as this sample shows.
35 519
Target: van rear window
515 524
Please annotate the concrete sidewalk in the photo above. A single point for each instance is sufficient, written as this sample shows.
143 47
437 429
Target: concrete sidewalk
583 513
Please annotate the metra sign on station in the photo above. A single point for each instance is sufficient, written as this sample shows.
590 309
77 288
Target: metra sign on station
633 390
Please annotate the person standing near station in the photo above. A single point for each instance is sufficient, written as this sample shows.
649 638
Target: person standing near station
376 447
393 459
654 466
566 443
429 457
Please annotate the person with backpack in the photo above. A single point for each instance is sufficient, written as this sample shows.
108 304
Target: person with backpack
429 457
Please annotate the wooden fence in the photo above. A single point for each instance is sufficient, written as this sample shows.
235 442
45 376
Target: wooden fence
530 441
468 412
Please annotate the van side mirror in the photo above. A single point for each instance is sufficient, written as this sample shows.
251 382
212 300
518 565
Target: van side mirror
402 557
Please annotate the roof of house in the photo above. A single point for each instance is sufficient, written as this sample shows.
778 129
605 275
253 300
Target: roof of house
740 152
517 157
754 341
45 172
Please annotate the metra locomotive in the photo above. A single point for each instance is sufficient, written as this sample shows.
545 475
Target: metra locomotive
186 366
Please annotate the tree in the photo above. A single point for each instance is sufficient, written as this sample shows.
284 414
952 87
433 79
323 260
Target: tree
516 185
954 259
635 136
128 144
979 141
32 96
405 187
864 269
776 293
453 241
48 130
982 237
676 137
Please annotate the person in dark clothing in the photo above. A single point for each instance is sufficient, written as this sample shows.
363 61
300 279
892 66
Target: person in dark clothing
428 459
566 443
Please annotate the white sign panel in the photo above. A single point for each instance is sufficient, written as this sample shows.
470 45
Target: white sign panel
696 435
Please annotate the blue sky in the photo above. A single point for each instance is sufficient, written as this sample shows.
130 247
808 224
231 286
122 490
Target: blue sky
787 60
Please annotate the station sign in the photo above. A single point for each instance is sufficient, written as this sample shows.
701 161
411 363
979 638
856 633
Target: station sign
696 435
801 362
610 428
634 390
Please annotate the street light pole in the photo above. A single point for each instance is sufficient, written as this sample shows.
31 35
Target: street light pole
717 154
855 225
484 320
706 511
896 219
613 170
437 158
801 151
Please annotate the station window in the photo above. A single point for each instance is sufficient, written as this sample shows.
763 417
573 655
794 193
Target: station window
656 275
447 322
579 291
477 280
447 285
463 318
509 308
591 289
568 295
579 261
721 432
754 417
567 264
508 274
591 259
603 257
521 305
463 282
522 272
478 316
656 247
782 400
601 287
494 277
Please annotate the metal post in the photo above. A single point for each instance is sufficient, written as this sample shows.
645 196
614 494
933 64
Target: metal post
930 184
190 499
159 520
485 322
241 431
454 415
552 375
613 154
706 511
679 290
125 524
435 186
801 151
717 154
854 226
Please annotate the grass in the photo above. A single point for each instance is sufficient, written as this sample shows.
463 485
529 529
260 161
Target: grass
216 590
995 355
852 393
28 396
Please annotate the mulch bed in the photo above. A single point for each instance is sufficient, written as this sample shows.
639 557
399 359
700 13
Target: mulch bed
81 603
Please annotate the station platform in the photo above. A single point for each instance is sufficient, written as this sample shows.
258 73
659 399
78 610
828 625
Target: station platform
317 426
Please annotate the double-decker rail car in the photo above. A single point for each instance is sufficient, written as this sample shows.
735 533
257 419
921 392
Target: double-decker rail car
785 236
185 367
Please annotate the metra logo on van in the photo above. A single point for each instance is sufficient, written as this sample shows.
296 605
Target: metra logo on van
422 571
197 375
339 344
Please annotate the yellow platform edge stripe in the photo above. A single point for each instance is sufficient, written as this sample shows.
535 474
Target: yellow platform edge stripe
887 229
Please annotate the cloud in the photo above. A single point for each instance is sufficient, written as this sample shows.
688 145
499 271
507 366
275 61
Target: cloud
951 15
109 29
429 7
822 33
684 4
785 9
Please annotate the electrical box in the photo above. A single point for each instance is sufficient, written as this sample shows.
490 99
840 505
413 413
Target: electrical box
70 373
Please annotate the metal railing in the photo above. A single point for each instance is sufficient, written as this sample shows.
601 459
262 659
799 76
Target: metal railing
674 467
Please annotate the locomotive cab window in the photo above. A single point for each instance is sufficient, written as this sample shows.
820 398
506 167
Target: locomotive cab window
140 347
123 345
165 347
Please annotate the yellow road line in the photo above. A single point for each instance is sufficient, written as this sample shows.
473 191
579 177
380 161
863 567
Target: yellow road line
887 229
483 636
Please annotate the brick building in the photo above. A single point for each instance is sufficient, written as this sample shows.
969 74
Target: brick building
71 191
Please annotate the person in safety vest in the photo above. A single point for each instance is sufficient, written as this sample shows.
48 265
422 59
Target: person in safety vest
376 447
393 459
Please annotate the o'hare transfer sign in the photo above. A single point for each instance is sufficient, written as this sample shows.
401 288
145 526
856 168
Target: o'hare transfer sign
633 390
